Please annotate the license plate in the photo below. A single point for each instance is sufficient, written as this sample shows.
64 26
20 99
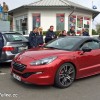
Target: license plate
17 77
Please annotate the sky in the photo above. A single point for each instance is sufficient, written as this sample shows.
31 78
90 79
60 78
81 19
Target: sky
88 3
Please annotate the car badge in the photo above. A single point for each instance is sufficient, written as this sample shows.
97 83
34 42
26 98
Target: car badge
19 58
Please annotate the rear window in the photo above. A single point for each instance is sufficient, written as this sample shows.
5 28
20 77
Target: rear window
13 37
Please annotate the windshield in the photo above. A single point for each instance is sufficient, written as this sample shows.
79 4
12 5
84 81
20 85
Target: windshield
13 37
67 43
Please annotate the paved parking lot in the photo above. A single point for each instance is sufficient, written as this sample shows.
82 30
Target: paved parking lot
83 89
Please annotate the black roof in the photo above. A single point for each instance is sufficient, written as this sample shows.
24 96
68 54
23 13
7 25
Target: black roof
81 37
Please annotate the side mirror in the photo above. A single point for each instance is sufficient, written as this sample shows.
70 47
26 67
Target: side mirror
86 49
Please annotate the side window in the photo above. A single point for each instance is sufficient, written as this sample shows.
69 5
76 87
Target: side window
95 45
91 44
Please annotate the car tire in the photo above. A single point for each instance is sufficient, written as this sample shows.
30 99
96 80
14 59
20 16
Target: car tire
65 75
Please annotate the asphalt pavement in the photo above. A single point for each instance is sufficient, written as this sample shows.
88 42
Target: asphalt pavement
82 89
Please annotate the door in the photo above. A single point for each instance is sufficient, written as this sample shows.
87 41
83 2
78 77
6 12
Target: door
89 62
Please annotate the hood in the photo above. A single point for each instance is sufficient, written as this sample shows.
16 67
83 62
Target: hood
42 53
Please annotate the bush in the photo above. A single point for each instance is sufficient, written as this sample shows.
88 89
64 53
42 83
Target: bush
57 32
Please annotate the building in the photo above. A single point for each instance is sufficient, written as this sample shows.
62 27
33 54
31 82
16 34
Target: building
62 14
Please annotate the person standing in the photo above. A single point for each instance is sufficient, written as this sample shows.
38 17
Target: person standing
50 35
71 32
84 32
63 33
1 9
33 38
5 11
1 44
40 37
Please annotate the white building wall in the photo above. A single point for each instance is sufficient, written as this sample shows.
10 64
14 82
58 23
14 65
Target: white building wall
48 18
18 16
29 22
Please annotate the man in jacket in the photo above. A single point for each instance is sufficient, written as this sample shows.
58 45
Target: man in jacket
1 44
71 32
33 38
85 33
50 35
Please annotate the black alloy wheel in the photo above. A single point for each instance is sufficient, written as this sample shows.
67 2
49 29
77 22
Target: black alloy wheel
65 75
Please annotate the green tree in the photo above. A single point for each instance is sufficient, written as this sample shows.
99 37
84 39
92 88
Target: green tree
98 28
94 32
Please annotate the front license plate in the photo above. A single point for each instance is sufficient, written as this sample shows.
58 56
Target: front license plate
16 77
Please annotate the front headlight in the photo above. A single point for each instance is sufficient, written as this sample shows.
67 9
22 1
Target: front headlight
43 61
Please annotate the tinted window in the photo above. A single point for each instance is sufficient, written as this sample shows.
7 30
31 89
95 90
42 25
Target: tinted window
91 44
13 37
64 43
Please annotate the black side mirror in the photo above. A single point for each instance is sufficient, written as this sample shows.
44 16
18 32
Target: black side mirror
86 49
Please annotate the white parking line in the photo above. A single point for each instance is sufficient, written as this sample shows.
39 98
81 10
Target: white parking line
2 73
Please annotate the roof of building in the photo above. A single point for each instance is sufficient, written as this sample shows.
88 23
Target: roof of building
50 3
57 3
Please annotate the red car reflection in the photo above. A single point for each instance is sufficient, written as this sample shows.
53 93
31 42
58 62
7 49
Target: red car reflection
60 62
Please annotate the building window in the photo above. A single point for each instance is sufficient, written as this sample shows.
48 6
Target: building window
79 25
79 22
21 24
72 21
60 22
17 25
36 20
86 22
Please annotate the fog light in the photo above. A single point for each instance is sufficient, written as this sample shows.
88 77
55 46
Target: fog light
38 72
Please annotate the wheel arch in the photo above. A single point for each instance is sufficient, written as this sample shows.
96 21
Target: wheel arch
70 63
55 83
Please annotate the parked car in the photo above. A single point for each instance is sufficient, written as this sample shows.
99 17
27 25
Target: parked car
60 62
14 43
27 37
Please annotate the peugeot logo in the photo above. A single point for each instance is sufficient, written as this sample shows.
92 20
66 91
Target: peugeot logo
19 58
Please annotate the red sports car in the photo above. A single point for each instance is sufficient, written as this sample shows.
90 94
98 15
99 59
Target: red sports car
59 62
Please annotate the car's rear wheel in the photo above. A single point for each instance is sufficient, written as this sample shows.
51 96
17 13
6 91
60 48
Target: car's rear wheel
65 75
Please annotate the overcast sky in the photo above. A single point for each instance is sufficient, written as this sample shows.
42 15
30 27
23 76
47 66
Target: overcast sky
16 3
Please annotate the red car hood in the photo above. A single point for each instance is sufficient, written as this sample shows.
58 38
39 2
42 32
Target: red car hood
42 53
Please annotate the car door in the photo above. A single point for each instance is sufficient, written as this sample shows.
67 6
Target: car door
89 62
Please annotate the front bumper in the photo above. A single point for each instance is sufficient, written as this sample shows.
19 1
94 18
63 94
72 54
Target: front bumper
39 75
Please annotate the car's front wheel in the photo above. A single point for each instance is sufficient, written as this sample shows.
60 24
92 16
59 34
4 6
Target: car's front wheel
65 75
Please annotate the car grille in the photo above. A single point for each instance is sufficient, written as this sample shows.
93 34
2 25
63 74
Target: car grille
19 67
25 75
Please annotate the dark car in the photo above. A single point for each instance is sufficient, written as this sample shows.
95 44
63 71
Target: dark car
14 43
60 62
27 37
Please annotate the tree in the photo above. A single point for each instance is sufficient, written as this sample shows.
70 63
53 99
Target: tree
98 28
94 32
